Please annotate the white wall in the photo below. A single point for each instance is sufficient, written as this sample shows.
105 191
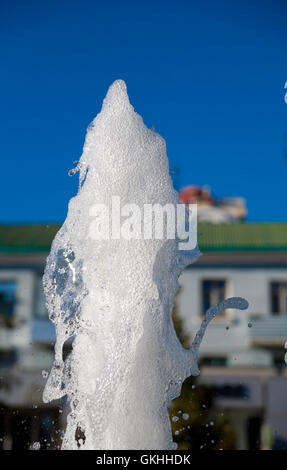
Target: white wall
252 284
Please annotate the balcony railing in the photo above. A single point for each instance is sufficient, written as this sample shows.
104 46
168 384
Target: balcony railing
269 330
243 333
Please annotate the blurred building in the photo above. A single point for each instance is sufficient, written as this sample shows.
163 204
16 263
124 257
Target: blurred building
26 341
242 354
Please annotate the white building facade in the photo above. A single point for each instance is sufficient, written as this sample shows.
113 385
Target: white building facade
243 353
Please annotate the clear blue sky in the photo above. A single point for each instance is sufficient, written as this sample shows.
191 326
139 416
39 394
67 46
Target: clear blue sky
209 75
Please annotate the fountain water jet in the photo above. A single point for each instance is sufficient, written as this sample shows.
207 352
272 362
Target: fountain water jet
113 298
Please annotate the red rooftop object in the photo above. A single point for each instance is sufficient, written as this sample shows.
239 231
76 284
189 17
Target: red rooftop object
192 194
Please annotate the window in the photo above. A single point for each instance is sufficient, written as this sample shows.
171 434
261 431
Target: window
7 300
213 291
8 357
279 297
213 361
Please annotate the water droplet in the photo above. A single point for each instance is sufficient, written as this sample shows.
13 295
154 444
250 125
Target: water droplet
73 171
36 446
249 324
185 416
175 419
44 374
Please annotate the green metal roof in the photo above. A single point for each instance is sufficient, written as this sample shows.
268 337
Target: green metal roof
243 236
27 238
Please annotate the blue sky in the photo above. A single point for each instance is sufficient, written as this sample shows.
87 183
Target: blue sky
208 75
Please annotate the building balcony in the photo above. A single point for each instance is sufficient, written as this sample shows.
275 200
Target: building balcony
268 331
244 333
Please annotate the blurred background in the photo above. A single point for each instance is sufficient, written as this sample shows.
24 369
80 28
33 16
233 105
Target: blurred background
210 77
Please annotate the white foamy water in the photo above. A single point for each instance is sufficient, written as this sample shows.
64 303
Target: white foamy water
113 298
